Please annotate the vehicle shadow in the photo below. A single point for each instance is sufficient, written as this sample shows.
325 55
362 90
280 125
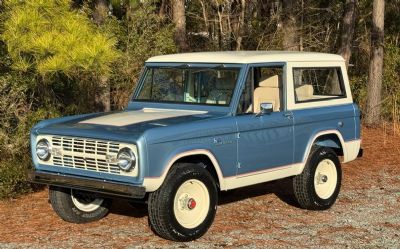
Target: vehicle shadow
128 208
281 188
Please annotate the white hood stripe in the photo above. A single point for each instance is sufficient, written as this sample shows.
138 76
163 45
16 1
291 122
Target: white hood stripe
134 117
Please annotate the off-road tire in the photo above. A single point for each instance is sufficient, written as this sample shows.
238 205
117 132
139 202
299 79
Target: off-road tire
304 184
162 217
63 205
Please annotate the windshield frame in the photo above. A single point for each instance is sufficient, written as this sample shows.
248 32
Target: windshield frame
138 104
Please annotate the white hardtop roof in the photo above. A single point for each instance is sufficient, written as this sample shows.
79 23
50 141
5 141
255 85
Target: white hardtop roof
245 57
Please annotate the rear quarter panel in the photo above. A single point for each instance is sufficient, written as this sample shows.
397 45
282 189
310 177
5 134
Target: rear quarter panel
339 115
308 123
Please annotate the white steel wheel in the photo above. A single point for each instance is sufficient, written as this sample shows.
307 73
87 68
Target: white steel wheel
318 186
85 202
325 179
184 207
191 203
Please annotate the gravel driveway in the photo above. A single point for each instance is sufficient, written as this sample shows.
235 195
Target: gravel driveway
366 215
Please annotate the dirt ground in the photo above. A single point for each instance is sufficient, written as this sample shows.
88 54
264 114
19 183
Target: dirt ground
366 215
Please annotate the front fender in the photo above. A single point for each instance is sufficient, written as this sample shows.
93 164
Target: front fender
153 183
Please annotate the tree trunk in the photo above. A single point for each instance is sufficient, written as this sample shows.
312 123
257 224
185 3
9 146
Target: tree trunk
100 11
348 23
179 18
221 34
240 32
373 108
163 8
102 96
289 31
205 17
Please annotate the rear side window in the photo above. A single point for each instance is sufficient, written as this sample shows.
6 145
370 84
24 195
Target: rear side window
317 84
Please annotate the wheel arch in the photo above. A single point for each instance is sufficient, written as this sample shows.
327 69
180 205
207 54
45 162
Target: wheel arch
330 140
192 156
326 138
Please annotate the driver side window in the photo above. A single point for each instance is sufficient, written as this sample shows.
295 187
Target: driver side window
263 85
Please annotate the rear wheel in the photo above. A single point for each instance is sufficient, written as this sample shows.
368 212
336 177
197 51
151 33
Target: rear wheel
78 206
184 207
318 186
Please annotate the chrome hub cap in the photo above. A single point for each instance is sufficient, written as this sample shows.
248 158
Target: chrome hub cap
191 203
325 179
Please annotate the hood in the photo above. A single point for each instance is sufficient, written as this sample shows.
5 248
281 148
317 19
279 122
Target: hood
141 116
124 126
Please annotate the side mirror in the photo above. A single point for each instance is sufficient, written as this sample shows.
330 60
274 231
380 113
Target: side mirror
265 108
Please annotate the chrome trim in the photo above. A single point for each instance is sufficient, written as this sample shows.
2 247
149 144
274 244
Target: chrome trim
87 154
49 149
88 184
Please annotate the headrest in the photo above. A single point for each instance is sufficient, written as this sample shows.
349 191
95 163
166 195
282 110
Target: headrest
272 81
305 90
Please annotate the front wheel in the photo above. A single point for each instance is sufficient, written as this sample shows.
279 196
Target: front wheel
184 207
78 206
318 186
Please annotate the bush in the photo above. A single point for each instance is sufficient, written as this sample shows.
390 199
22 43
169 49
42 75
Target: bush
391 84
50 59
18 116
48 54
13 178
142 34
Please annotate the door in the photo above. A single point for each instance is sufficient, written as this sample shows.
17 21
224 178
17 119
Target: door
264 141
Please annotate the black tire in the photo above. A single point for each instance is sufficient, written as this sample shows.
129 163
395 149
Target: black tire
307 194
161 204
61 200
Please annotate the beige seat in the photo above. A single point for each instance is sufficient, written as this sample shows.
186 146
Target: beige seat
268 91
304 92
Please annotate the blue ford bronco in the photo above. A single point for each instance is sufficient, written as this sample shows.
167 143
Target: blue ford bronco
200 123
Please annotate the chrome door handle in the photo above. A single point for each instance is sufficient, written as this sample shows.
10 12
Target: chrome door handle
288 115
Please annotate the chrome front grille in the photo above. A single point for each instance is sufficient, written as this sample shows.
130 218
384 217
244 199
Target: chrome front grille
87 154
87 146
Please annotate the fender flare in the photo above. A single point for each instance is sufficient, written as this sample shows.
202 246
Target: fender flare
312 141
153 183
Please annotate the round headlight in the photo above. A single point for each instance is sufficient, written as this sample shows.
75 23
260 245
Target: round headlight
43 149
126 159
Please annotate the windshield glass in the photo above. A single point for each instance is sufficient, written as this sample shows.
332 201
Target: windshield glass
208 86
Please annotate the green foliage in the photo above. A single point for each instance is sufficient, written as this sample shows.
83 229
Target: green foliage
391 82
48 53
50 59
141 34
13 178
18 115
359 89
49 37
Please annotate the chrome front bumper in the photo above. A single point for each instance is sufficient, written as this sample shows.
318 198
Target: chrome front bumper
87 184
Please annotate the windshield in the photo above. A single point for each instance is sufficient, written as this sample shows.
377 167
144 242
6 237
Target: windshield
208 86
